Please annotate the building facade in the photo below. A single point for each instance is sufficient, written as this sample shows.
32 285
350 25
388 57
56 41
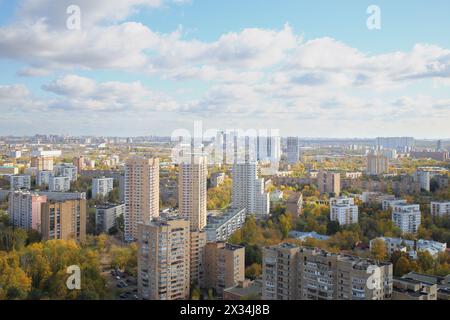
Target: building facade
64 220
407 217
141 193
164 260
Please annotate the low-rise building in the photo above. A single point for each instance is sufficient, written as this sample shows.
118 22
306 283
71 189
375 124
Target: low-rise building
411 247
443 283
245 290
409 289
8 170
217 179
440 208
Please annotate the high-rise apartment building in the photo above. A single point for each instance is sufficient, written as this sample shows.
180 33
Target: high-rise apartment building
164 259
293 150
224 266
141 193
329 182
297 273
407 217
377 163
64 220
197 257
249 190
20 181
101 187
24 208
42 163
192 190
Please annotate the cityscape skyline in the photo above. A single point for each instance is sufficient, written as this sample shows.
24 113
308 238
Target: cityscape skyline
155 65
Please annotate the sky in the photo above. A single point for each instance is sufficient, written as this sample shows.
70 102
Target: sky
153 67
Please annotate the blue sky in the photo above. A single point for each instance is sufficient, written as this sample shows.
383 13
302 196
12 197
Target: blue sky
308 68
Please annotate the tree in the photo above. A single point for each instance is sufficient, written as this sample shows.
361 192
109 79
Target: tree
378 250
401 267
285 225
254 271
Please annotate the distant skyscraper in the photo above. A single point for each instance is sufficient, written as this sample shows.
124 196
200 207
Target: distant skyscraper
192 190
293 151
377 163
141 193
268 148
439 146
401 144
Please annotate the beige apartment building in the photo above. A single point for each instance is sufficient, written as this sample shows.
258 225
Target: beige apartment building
297 273
224 266
141 193
42 163
377 163
197 255
164 259
64 220
329 182
192 190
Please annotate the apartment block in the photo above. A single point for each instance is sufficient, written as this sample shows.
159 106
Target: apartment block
329 182
249 190
43 177
24 208
164 259
59 184
224 266
377 163
298 273
343 211
197 245
20 181
64 220
106 216
441 208
141 193
42 163
66 170
192 190
407 217
101 187
222 226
